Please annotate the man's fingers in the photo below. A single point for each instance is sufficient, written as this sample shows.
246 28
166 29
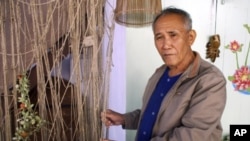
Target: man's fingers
105 119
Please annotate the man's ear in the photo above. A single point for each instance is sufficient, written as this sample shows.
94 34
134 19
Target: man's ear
191 36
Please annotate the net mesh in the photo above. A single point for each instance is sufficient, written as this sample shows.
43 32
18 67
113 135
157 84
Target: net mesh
36 36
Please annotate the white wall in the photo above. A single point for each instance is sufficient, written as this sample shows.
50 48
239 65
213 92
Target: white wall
117 96
231 17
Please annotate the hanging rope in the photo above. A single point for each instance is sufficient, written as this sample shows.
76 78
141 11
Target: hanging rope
36 37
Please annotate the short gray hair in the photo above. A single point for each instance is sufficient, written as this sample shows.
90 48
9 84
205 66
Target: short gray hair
172 10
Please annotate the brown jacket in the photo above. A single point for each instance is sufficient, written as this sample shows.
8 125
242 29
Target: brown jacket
192 109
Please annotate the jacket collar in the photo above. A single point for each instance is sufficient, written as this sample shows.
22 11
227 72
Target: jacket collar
193 68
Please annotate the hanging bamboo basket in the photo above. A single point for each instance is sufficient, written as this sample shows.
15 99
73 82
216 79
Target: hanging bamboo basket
136 13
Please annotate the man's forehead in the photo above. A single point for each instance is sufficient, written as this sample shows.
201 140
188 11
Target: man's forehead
169 29
170 32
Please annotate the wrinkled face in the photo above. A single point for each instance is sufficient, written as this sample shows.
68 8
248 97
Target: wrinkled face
172 40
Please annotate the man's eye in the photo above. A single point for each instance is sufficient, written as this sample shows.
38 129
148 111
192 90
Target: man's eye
172 34
158 38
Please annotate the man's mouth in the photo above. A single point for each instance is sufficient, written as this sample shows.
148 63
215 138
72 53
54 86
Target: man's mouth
165 54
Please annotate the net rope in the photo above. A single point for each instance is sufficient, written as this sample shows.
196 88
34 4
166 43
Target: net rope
35 37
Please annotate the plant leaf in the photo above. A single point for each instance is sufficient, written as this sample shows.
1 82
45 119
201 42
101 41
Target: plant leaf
230 78
247 27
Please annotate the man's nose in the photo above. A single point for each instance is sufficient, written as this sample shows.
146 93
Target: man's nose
166 44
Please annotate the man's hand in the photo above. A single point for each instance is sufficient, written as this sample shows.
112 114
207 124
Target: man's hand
110 118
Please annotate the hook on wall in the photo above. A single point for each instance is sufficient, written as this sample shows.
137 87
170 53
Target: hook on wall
223 1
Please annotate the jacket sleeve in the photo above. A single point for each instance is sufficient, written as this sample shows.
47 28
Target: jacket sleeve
132 119
201 122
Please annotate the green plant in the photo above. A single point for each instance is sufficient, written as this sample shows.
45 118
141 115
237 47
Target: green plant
28 120
226 138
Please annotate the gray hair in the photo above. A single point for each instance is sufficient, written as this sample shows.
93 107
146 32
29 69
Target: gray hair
172 10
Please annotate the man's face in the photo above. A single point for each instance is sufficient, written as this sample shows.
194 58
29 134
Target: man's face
172 40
